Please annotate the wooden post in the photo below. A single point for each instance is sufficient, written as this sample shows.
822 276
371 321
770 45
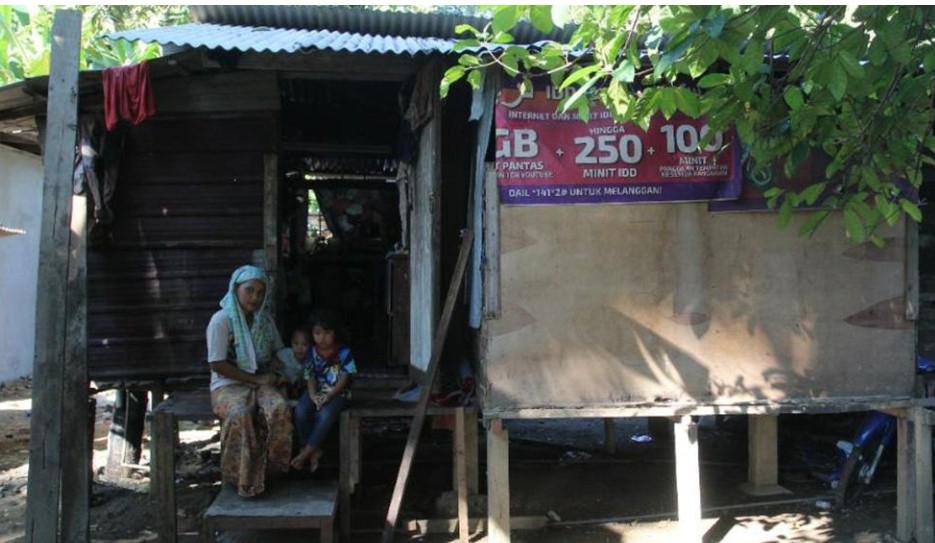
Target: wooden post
491 245
610 436
418 419
52 324
763 457
461 475
426 238
162 474
924 528
271 228
76 453
688 480
470 453
498 483
905 479
344 477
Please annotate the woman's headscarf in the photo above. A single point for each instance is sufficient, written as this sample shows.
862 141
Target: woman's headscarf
258 337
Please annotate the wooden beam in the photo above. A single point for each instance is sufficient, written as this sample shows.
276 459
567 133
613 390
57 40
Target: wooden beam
271 227
76 454
498 483
763 457
52 324
651 409
460 470
425 231
162 475
418 420
334 65
905 479
688 481
912 269
924 524
470 452
491 244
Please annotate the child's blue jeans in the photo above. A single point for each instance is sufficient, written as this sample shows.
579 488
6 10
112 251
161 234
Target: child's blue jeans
313 424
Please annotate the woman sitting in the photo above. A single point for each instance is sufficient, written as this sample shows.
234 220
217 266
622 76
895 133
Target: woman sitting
256 427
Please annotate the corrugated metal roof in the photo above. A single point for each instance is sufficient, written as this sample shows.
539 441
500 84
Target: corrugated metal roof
359 20
282 40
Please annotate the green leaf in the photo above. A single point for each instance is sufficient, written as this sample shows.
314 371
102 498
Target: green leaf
461 45
541 18
785 214
850 64
810 226
578 94
468 60
578 75
794 97
560 14
837 82
752 57
505 18
466 29
688 102
510 64
475 78
452 75
854 226
912 210
625 72
928 64
710 81
668 103
811 194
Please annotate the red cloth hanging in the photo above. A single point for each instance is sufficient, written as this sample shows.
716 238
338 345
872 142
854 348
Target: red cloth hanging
128 95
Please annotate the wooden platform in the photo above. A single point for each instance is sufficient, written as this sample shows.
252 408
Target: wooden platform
290 504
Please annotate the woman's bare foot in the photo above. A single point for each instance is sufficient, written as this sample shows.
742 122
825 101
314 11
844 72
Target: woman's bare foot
313 462
299 461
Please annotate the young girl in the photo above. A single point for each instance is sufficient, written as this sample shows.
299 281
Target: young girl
293 360
328 374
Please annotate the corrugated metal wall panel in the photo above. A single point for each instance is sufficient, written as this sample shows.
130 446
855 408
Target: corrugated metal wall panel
188 211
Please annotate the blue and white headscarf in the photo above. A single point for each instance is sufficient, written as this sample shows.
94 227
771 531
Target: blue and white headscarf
255 341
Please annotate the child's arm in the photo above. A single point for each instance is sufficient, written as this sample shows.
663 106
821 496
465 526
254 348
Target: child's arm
342 383
312 387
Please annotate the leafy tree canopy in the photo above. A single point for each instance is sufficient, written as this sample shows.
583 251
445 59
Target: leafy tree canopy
852 82
25 33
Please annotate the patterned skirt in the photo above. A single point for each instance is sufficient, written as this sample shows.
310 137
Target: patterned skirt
256 435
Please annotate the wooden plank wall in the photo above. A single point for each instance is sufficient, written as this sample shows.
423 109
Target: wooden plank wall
188 210
608 304
926 315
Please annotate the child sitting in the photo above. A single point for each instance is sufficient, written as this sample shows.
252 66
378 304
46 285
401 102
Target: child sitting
328 374
292 361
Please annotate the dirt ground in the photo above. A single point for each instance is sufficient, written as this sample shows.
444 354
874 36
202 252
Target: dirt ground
561 478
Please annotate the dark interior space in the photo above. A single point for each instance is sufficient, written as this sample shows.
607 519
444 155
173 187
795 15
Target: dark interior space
339 213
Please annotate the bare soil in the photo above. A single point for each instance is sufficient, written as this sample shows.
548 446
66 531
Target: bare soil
561 477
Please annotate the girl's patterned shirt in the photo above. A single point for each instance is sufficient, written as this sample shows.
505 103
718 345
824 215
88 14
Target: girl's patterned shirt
326 373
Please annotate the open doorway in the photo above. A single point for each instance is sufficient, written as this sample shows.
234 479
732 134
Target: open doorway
339 216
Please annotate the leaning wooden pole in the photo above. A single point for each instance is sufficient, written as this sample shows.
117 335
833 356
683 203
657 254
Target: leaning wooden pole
52 323
438 343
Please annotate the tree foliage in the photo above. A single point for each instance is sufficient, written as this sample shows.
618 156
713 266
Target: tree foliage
854 83
25 34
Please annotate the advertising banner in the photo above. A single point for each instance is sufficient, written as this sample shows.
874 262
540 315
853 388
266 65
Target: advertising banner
547 157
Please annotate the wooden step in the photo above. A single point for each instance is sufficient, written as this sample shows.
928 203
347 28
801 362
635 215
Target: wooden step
286 504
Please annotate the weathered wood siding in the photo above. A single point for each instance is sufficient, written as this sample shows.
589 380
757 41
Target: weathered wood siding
189 210
616 303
